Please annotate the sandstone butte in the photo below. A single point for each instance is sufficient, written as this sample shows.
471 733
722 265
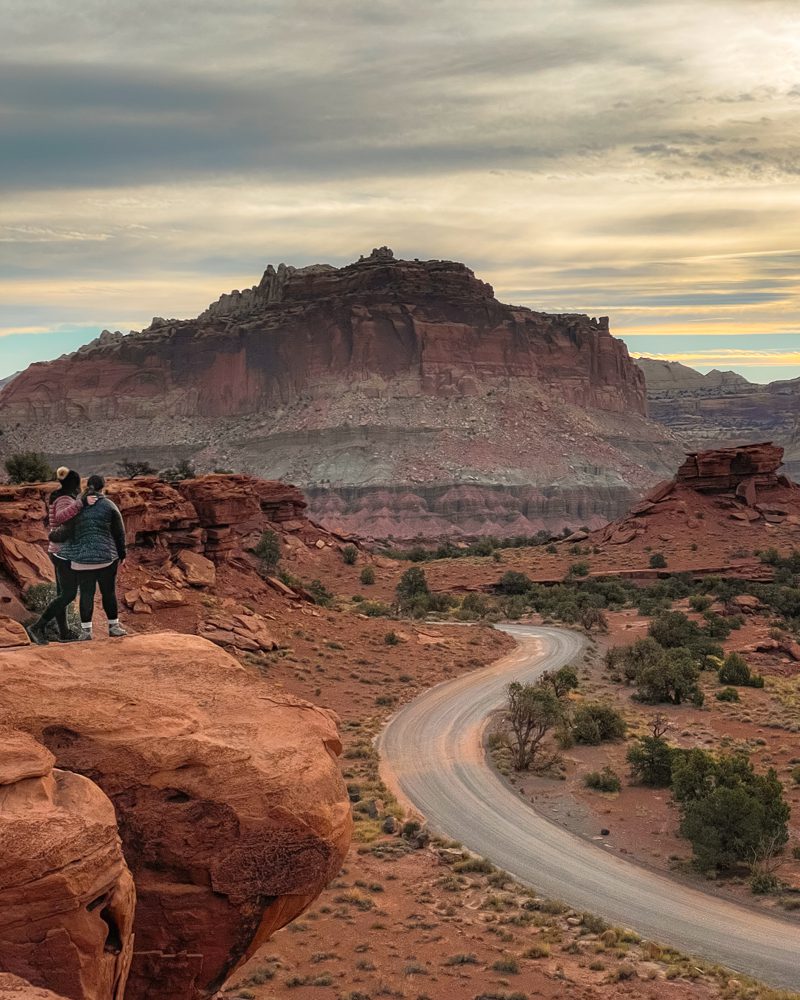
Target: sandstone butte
402 396
231 813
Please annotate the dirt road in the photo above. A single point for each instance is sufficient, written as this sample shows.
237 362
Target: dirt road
432 755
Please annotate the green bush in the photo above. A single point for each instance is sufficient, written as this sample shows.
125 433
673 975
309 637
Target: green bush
578 569
391 638
762 883
727 694
700 602
603 781
180 471
349 555
375 609
658 560
29 467
268 550
651 761
368 576
514 583
736 671
795 772
594 723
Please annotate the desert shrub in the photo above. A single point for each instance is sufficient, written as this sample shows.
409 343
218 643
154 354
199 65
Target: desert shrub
391 638
595 722
700 602
762 883
320 593
578 569
367 576
796 774
735 670
29 467
564 680
506 964
512 582
349 555
671 677
268 550
727 694
375 609
658 560
413 583
603 781
651 759
178 472
130 469
473 606
728 811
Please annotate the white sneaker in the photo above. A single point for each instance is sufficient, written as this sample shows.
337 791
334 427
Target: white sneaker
116 631
85 635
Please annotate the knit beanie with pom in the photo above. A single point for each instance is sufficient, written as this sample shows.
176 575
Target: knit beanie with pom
70 480
62 471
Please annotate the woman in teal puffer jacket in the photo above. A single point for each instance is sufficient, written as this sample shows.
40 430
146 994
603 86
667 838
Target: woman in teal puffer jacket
96 551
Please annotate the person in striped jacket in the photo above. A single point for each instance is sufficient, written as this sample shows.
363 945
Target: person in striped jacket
63 505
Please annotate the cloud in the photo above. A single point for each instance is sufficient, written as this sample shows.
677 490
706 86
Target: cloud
590 155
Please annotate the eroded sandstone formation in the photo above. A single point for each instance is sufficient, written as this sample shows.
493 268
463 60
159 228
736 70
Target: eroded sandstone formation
66 895
721 409
229 801
381 373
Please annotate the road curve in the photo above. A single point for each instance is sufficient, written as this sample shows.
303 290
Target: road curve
432 754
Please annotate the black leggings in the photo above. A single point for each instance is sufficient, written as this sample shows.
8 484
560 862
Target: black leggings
66 591
106 580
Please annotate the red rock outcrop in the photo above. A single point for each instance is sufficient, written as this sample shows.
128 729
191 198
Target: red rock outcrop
744 469
14 988
230 804
66 895
213 516
380 373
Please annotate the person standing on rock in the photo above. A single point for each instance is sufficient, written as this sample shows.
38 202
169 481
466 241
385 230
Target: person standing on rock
63 507
96 551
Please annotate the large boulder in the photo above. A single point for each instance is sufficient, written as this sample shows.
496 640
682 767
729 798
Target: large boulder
14 988
66 895
230 803
25 562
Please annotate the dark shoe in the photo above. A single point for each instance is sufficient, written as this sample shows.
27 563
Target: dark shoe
85 636
69 636
37 633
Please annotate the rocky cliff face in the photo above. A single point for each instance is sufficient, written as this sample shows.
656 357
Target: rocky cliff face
380 373
223 795
722 408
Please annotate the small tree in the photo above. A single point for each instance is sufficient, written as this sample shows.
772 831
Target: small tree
736 671
671 678
651 757
181 470
29 467
413 583
564 680
349 555
130 469
512 582
532 711
658 560
268 550
367 576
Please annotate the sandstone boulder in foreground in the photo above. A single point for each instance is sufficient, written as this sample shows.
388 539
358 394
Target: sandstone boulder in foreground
14 988
231 807
66 895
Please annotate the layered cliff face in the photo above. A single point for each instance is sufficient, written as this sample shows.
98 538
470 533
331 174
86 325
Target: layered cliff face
366 377
723 408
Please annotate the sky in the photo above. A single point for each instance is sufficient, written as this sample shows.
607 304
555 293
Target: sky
616 157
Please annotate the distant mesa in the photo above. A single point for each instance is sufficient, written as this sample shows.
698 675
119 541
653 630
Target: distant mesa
400 395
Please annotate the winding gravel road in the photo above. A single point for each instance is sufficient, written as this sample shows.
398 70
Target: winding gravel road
432 755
